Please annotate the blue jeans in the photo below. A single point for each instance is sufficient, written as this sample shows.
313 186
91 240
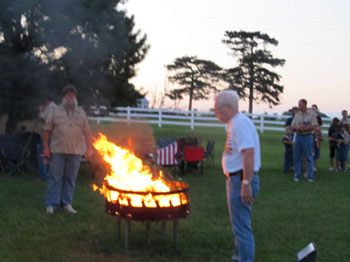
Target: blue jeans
317 152
342 155
42 165
240 216
304 144
63 172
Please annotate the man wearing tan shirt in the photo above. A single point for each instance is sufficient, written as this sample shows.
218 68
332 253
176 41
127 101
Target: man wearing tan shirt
304 124
68 129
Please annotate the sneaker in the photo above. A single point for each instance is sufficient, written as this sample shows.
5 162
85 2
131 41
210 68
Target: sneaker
311 180
315 169
49 210
331 169
296 179
70 209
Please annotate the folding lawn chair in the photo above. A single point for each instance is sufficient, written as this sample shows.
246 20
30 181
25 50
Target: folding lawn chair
18 151
10 152
209 154
193 156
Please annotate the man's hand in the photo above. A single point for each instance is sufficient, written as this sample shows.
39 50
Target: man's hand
246 195
46 154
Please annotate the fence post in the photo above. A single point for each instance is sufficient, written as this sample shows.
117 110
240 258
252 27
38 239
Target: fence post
160 117
128 113
192 119
261 123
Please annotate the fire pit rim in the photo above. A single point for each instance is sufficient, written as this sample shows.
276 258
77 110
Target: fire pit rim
185 189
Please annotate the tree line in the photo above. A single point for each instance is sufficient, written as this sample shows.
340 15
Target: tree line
93 45
252 78
44 45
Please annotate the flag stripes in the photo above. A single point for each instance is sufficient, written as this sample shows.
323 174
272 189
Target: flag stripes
167 155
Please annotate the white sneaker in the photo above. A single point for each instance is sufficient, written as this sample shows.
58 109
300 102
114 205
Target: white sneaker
49 210
70 209
331 169
296 179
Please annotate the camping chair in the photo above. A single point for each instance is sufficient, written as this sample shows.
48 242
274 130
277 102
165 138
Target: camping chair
17 151
169 153
10 152
193 157
209 154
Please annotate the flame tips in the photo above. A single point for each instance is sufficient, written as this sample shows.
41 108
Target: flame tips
129 173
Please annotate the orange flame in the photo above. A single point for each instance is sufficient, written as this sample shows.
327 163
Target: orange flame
128 173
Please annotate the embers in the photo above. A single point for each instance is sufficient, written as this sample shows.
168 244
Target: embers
148 206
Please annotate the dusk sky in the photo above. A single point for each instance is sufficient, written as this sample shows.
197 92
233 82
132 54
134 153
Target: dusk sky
313 35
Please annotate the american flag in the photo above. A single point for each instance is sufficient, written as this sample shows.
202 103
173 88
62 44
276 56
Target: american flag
167 149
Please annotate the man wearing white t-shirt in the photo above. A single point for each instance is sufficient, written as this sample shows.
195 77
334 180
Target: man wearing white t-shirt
240 163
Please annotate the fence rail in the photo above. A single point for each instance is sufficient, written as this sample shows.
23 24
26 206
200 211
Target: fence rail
192 118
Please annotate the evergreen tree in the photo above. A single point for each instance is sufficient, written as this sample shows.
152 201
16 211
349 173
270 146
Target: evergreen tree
47 44
252 77
195 77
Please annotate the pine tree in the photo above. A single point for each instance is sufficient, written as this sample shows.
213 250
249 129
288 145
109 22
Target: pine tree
196 78
252 77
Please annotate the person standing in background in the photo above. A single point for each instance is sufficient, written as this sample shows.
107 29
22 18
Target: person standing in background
288 150
342 148
345 119
294 110
304 124
68 128
318 137
333 131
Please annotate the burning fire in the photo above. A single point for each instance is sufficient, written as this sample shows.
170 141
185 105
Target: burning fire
128 173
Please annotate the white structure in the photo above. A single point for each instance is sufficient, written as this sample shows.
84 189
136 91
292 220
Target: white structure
142 103
194 118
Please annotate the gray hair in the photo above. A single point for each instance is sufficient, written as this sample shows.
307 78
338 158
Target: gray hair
227 97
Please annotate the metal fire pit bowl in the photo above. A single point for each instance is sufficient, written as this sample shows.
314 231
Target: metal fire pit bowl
149 213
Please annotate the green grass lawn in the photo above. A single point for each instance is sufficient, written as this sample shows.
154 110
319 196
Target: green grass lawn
286 215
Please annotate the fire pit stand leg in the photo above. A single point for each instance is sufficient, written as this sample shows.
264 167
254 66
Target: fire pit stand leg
127 234
118 228
163 230
148 232
176 234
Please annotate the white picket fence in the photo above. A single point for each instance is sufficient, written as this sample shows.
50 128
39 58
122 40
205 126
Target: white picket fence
192 118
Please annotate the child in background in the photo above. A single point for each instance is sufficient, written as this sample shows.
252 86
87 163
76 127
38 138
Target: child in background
288 152
342 144
333 131
318 138
347 142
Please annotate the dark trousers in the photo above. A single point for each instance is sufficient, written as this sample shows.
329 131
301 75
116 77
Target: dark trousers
288 160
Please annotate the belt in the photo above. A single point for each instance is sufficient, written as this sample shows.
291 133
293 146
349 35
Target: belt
237 173
309 134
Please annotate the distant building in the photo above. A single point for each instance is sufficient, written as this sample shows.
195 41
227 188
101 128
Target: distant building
98 110
142 103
